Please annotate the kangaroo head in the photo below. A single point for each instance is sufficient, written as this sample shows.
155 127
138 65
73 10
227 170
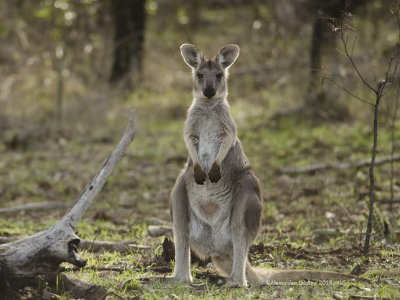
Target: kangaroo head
209 75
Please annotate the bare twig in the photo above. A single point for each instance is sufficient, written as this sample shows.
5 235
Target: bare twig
349 92
352 47
393 140
371 175
379 93
350 58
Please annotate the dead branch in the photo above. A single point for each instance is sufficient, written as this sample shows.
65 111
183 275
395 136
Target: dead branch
340 166
50 205
390 201
95 186
122 247
157 230
77 288
5 240
350 58
42 253
348 91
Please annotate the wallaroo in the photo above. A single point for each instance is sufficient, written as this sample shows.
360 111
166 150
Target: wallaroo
216 203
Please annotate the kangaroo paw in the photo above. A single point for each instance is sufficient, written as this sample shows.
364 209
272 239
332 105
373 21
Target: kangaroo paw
199 174
215 172
230 282
176 279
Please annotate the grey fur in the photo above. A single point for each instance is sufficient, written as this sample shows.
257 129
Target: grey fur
216 201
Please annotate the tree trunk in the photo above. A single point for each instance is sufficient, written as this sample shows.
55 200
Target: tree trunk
129 21
325 11
315 53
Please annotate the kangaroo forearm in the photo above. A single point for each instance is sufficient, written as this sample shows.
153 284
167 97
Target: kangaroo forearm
192 148
224 147
193 153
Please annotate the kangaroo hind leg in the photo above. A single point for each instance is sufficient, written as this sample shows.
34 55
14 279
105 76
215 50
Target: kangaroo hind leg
245 223
180 219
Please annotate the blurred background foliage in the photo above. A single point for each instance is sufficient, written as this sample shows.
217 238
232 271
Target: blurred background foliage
70 70
134 45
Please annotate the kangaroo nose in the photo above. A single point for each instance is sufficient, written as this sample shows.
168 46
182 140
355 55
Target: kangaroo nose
209 92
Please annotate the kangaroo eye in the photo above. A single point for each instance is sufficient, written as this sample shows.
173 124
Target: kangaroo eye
219 75
199 76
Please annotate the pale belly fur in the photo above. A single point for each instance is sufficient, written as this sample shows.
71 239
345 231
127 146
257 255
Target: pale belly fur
209 228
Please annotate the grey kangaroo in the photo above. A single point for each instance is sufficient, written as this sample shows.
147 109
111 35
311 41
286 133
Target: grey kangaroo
216 202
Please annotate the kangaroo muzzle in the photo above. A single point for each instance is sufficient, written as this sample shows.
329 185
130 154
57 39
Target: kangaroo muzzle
209 92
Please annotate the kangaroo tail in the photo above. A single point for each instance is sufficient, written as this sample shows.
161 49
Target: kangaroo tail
262 276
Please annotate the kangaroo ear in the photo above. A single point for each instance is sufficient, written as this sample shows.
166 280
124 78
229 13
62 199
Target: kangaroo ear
227 55
191 55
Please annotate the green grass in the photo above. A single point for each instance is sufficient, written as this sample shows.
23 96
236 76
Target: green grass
139 190
294 206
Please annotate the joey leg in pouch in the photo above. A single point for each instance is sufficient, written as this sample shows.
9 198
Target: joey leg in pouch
199 175
215 172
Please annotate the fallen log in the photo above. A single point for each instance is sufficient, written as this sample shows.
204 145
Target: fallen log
42 253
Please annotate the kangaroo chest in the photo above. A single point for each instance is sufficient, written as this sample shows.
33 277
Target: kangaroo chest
208 140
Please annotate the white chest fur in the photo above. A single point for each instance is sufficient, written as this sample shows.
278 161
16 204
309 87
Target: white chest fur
209 140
